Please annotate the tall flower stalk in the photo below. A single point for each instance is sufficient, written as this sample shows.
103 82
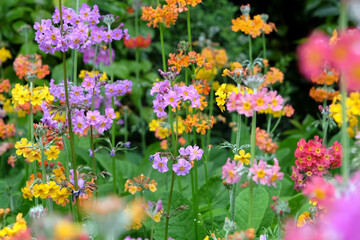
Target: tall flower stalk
71 133
343 91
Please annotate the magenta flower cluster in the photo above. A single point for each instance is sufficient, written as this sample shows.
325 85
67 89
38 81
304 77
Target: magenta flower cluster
79 30
266 174
246 103
81 98
183 161
261 172
171 96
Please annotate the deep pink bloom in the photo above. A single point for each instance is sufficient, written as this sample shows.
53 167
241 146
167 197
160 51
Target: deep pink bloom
230 171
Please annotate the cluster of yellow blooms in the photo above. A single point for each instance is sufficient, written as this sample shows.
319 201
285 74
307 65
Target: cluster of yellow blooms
54 189
32 152
140 183
222 92
13 231
162 129
83 73
352 111
22 95
47 190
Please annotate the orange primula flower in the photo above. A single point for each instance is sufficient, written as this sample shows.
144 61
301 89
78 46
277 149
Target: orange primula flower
30 64
202 127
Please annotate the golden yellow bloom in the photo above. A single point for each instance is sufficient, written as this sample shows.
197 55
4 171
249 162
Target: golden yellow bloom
4 55
58 175
53 189
27 194
41 190
52 153
244 158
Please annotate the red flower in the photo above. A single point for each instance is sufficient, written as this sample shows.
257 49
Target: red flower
138 42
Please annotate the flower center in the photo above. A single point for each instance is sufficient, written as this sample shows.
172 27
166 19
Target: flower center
247 105
160 164
53 36
261 173
182 168
171 99
79 125
92 118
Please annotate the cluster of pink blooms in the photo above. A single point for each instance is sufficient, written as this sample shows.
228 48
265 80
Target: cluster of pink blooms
314 159
342 53
184 162
168 95
342 211
79 30
82 97
246 103
261 172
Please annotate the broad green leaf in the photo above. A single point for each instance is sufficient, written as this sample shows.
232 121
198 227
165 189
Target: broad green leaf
260 203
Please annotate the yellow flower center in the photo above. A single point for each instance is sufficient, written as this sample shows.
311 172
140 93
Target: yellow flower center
160 164
92 118
182 168
171 99
261 173
53 36
247 105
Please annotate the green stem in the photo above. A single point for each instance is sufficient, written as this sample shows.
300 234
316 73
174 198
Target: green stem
162 46
67 172
264 44
207 182
75 62
251 186
43 172
344 134
232 202
250 54
71 133
325 124
211 111
194 202
169 204
189 27
113 125
31 132
276 124
126 124
137 75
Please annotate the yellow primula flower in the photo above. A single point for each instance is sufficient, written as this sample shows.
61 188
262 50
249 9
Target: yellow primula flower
4 55
53 189
52 153
244 158
27 194
41 190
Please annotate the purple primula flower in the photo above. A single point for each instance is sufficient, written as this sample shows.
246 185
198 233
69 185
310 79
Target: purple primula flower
88 83
182 167
127 144
184 151
93 117
171 99
195 152
102 124
109 113
160 163
79 124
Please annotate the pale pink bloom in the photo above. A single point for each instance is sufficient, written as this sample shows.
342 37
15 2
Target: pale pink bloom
229 171
260 172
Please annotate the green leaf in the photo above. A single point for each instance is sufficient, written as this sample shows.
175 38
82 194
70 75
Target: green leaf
4 197
260 203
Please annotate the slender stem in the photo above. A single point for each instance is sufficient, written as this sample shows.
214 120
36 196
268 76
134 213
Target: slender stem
43 171
113 125
325 123
250 54
207 181
67 172
71 133
276 124
194 202
137 75
343 90
162 46
169 204
31 132
75 62
269 118
251 186
126 124
264 44
211 111
232 202
344 134
189 27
